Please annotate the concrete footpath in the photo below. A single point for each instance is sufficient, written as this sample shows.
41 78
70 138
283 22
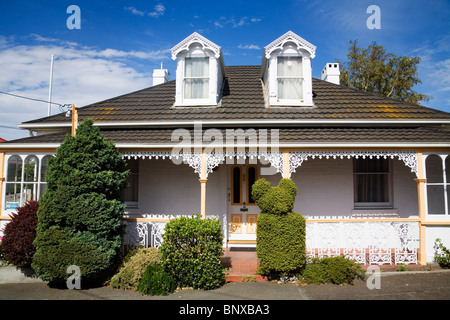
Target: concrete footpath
410 285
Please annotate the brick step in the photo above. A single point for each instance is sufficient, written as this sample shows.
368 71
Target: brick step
241 264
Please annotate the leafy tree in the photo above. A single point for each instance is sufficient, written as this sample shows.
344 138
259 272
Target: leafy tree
374 70
79 217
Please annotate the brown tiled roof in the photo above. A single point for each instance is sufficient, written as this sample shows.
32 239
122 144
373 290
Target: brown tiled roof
312 135
243 100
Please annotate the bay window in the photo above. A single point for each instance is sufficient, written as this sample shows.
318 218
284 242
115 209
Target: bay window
438 184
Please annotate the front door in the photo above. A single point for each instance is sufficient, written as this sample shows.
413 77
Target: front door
242 210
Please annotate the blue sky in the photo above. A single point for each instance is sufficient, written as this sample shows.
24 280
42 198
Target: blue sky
121 42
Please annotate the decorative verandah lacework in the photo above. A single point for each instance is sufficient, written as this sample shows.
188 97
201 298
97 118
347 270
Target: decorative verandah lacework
296 158
213 159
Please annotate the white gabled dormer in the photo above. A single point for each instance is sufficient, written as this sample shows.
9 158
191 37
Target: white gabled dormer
287 71
200 71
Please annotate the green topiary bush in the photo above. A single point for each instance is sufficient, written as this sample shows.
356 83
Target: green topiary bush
191 252
134 267
334 270
280 243
80 214
280 233
19 234
156 281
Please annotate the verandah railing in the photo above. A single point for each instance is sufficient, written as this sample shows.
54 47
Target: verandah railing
366 241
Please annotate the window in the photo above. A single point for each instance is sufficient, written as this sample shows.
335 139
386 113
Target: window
252 176
438 184
371 182
25 179
238 191
196 78
236 184
289 78
131 193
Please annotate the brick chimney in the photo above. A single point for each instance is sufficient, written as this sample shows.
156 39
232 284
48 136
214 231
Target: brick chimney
331 73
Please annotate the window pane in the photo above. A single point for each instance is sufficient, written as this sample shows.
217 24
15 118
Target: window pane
289 67
196 67
44 168
435 196
372 188
131 193
12 193
196 88
290 88
434 169
251 180
447 169
29 192
236 185
30 172
14 171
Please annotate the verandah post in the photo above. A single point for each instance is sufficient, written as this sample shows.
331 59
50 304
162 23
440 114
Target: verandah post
422 256
203 180
286 174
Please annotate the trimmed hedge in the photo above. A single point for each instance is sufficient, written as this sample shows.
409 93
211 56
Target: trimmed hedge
191 252
280 243
280 233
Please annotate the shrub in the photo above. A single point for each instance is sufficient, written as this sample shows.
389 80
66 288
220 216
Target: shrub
19 234
280 233
442 254
134 267
80 216
280 243
156 281
275 200
191 252
335 270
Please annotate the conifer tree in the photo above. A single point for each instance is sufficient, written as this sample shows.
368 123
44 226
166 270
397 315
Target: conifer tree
79 217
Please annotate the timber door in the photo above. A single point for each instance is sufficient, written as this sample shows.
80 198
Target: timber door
242 210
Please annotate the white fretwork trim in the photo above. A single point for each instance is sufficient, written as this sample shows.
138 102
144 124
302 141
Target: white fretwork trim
289 37
296 158
196 38
213 159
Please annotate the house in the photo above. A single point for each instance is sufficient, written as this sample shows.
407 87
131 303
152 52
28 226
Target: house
370 170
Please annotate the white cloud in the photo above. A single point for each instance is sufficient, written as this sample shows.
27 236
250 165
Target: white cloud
158 11
235 22
249 47
81 75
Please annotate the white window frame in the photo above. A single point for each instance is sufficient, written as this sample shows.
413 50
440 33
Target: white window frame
38 183
446 184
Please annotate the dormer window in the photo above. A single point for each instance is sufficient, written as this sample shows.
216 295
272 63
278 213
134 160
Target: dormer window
289 78
287 71
200 72
196 78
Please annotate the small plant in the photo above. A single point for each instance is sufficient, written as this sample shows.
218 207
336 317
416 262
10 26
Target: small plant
402 267
335 270
442 254
156 281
